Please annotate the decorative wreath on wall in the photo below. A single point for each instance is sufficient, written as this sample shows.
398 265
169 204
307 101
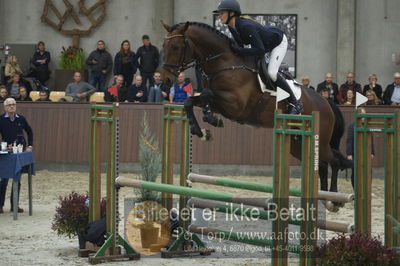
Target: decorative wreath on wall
50 8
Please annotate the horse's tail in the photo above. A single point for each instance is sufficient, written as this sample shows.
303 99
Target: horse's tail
338 128
340 160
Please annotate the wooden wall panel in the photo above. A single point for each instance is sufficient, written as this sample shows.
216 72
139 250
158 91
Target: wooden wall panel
61 134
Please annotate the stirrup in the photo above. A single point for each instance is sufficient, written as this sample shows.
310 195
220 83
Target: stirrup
296 108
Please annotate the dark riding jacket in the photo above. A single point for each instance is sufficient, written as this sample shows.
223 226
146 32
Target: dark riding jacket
261 38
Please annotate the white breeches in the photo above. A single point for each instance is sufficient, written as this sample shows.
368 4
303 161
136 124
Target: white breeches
276 58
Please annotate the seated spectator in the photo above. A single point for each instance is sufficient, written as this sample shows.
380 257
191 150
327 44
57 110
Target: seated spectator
39 86
41 60
158 92
43 96
12 68
3 93
350 84
79 90
372 98
23 95
138 91
325 93
14 83
372 85
330 87
392 92
350 98
181 90
306 82
117 92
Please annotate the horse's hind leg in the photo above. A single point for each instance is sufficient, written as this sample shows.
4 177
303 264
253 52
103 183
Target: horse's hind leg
323 175
335 172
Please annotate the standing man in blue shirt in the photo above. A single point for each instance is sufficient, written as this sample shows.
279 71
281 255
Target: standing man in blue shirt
12 126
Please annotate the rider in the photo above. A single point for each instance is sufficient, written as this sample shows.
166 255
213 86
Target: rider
262 40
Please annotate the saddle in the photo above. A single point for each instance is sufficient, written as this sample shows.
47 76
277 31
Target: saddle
262 66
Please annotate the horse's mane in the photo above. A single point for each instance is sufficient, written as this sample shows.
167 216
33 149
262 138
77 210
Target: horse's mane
206 27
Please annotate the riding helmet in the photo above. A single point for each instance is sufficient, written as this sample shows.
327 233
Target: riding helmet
229 5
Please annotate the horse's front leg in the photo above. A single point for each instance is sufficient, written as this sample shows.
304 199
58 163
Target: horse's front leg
208 115
193 124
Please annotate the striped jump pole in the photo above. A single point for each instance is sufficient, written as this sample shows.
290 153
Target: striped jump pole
253 186
306 129
263 215
365 126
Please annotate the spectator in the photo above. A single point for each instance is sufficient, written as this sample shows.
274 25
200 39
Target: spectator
372 98
41 60
325 93
43 96
158 92
12 68
39 86
23 95
12 126
79 90
3 93
14 83
181 90
330 87
148 57
100 64
117 92
137 92
372 85
350 98
350 84
392 92
350 145
306 82
125 63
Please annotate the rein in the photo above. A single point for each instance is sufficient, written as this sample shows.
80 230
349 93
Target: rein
193 63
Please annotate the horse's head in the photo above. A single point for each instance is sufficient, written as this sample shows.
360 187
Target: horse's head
178 54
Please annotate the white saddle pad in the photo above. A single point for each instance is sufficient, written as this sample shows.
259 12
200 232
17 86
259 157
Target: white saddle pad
294 85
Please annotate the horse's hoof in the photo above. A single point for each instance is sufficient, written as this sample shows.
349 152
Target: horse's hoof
338 204
196 131
206 135
220 123
330 206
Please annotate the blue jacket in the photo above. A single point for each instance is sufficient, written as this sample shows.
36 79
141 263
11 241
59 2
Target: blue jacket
118 63
179 93
261 38
13 130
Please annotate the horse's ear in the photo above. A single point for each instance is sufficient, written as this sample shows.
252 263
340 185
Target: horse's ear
186 27
166 26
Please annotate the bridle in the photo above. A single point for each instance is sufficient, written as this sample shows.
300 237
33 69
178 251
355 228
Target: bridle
194 63
183 65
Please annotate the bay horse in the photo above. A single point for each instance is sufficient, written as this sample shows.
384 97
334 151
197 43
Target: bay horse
232 89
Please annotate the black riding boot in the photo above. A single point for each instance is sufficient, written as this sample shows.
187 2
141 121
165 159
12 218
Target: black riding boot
296 106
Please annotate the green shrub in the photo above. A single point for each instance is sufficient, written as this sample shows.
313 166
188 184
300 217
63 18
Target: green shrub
150 161
356 249
72 58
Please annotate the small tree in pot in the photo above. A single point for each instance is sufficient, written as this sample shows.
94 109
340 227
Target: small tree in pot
72 216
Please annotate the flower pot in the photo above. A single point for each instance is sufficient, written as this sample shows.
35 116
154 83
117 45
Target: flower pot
149 235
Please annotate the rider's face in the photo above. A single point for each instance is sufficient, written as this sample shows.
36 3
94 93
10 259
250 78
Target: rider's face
223 16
